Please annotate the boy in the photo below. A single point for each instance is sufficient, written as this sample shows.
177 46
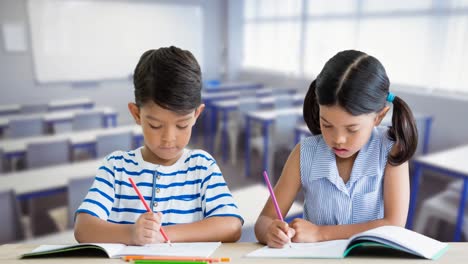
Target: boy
185 187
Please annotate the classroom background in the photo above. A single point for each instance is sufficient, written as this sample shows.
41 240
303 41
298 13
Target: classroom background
65 81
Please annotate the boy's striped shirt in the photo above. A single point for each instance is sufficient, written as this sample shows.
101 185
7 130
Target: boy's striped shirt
190 190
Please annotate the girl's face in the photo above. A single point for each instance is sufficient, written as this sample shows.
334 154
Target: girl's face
166 133
344 133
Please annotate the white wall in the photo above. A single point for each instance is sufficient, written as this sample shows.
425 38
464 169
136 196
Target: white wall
17 83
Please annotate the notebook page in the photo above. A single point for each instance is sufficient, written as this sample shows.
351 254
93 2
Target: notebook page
415 242
327 249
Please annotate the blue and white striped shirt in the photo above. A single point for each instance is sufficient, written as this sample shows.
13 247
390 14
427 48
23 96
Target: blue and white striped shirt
328 200
190 190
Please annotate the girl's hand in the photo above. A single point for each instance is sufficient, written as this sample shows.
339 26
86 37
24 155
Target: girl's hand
279 234
146 229
306 232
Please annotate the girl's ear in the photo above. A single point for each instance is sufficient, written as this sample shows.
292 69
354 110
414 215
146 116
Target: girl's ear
381 115
135 112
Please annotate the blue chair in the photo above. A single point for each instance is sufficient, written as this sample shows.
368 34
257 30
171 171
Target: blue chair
108 143
25 127
87 120
47 153
77 190
11 228
2 161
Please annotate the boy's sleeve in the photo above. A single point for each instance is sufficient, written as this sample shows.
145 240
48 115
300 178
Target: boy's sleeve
100 198
216 197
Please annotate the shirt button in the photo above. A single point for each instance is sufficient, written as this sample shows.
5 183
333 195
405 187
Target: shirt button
158 190
155 204
158 177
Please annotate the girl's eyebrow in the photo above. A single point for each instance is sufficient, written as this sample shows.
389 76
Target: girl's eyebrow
350 125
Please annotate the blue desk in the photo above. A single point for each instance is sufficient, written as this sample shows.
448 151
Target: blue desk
232 86
51 118
265 118
228 106
450 162
209 118
13 148
54 105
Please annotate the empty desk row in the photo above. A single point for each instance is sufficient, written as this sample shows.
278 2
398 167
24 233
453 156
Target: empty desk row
99 141
232 86
30 125
51 106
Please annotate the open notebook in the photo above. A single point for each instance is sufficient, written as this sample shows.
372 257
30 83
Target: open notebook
387 236
197 249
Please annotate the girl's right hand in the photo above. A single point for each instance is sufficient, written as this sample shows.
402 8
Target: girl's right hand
146 229
279 234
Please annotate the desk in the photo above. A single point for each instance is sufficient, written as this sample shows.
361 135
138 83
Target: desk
456 253
423 122
82 139
225 107
209 119
265 118
47 180
453 163
52 106
232 86
66 237
51 118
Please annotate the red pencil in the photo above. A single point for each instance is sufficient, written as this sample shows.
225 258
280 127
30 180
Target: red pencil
148 209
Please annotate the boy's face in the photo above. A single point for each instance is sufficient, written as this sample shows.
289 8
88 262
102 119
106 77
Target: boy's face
344 133
166 133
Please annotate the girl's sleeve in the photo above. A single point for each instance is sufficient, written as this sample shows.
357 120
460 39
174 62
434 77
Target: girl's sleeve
100 198
217 200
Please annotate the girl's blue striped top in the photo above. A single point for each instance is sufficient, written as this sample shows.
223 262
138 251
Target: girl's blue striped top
191 189
330 201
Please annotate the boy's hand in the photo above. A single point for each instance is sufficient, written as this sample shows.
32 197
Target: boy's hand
279 234
146 229
306 232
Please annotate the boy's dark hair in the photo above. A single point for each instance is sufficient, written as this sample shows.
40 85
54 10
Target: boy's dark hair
359 84
170 77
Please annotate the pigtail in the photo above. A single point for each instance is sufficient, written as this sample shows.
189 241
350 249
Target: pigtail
403 131
311 110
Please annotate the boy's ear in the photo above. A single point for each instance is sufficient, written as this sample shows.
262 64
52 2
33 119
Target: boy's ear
135 112
381 115
199 110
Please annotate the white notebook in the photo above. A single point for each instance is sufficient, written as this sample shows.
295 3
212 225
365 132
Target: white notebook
387 236
198 249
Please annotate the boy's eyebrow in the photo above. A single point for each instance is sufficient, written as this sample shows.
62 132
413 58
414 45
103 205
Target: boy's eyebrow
178 120
350 125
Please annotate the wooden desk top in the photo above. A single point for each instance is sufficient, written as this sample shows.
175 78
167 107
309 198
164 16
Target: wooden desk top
456 253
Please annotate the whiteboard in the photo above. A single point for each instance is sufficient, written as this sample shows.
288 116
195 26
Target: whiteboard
92 40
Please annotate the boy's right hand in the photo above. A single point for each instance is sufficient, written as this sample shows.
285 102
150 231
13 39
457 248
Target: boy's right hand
146 229
279 234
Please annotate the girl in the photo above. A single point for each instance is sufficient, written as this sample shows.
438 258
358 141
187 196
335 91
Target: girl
354 174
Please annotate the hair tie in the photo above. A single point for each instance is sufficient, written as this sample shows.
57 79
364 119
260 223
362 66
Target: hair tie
390 97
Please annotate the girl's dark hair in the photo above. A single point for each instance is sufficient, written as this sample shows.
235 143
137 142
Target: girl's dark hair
170 77
359 84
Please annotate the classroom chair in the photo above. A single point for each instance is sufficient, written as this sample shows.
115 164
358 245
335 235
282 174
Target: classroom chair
34 108
441 208
108 143
87 120
47 152
77 190
11 228
283 100
25 127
